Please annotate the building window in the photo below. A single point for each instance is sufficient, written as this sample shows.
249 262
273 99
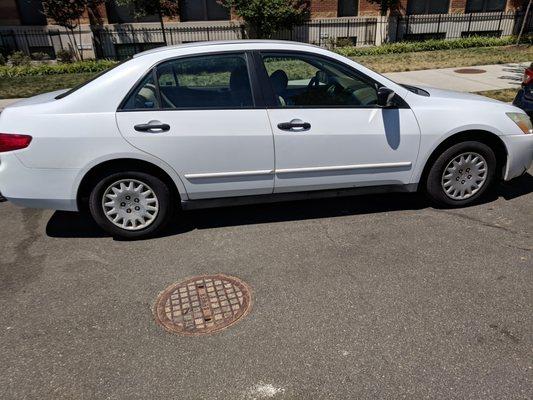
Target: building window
348 8
203 10
473 6
428 6
118 14
31 12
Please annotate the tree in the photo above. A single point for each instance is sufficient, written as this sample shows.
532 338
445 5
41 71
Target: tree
266 17
167 8
67 13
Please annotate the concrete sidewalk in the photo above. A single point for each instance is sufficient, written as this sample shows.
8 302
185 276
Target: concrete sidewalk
5 102
492 77
489 77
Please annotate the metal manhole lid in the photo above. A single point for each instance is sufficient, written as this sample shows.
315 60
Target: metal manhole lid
202 304
469 71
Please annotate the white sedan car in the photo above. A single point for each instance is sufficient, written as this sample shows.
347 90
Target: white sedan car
220 123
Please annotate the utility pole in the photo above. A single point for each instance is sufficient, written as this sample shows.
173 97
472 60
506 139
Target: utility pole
523 22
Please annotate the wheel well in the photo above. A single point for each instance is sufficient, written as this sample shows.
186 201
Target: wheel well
485 137
125 164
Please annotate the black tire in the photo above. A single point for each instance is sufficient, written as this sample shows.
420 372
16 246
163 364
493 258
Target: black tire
434 187
159 188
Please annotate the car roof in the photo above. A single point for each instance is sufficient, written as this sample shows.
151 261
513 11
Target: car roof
242 42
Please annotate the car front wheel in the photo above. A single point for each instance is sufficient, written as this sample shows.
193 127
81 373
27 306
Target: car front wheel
461 174
130 204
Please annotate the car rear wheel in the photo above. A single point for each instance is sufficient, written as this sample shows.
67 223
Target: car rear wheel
130 204
461 174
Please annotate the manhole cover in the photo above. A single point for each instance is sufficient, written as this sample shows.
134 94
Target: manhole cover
470 71
203 304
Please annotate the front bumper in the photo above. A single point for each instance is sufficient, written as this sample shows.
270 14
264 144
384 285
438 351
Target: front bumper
519 154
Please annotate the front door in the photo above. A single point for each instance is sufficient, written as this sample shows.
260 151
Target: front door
198 115
328 130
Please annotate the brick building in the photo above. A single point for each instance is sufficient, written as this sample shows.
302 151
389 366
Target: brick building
30 12
344 8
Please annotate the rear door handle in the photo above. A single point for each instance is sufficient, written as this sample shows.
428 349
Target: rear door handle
296 125
153 127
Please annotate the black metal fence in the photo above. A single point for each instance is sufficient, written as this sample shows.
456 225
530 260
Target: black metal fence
455 26
123 42
334 31
33 41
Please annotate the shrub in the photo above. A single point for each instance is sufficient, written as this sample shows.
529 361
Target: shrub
18 58
429 45
55 69
344 42
65 56
2 60
40 56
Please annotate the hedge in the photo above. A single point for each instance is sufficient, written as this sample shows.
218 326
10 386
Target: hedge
55 69
429 45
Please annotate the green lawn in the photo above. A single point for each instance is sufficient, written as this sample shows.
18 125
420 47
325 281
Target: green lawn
26 86
506 95
446 58
31 85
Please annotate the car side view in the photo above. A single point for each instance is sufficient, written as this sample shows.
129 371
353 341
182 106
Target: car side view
228 123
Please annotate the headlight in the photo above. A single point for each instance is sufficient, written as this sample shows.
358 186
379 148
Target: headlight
522 121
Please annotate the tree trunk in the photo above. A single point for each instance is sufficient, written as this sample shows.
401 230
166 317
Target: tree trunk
162 26
81 44
73 43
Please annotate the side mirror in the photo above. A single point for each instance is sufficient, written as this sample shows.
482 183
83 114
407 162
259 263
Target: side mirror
385 97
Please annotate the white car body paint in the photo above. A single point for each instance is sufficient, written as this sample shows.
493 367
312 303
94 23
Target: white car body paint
208 147
225 153
369 147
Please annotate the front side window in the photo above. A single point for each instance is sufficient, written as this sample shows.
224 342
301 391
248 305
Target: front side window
308 81
201 82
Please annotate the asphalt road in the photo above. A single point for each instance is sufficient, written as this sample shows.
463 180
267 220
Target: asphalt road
354 298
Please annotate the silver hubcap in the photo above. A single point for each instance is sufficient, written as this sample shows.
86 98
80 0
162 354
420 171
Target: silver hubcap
130 204
464 176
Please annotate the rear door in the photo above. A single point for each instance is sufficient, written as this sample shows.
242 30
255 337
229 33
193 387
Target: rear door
201 114
329 131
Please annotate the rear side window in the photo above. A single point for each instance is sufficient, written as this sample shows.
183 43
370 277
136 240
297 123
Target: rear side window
201 82
213 81
144 96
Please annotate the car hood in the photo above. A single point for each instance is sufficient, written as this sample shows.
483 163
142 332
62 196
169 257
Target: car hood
450 94
39 99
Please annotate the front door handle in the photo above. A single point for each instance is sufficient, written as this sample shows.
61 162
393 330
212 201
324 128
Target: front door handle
296 125
153 127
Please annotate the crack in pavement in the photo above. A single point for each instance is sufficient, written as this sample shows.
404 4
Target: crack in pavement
24 268
482 222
